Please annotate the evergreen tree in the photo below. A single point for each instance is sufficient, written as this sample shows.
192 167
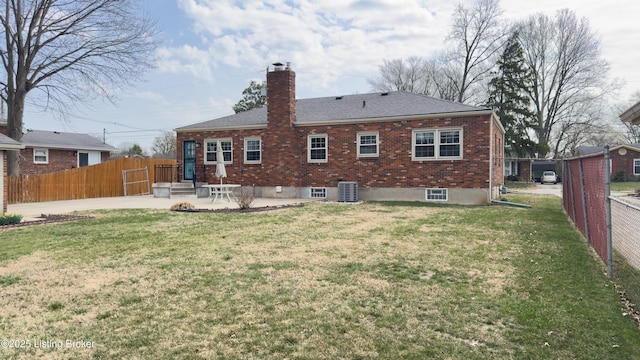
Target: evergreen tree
508 99
252 98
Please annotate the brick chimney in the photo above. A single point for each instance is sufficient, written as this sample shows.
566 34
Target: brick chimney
283 152
281 96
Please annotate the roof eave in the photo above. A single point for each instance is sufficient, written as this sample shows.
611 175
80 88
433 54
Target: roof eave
396 118
223 128
632 115
12 146
65 147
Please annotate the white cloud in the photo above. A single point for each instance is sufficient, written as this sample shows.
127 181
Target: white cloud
324 38
186 59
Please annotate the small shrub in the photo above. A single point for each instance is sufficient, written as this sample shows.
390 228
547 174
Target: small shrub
245 198
619 176
183 205
10 219
513 178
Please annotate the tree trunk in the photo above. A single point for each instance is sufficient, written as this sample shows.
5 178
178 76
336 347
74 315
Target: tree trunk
15 114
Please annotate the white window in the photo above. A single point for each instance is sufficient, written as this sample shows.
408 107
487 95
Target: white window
368 144
252 150
211 150
86 158
437 194
511 168
319 193
433 144
317 148
40 156
636 166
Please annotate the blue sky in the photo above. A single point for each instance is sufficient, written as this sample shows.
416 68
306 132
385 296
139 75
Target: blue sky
212 49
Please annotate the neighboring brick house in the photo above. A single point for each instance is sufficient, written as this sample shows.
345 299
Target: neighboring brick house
49 151
6 143
396 146
625 160
518 168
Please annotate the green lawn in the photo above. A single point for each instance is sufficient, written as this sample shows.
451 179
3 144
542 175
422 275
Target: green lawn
629 187
325 281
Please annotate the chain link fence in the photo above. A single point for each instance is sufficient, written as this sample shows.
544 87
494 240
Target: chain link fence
611 225
625 231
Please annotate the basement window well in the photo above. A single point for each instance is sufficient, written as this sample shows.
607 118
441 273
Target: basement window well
437 195
319 193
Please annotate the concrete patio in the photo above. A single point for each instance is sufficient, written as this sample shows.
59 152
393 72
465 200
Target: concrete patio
31 211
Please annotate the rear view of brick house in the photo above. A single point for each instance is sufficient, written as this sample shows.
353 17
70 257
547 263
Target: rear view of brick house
395 146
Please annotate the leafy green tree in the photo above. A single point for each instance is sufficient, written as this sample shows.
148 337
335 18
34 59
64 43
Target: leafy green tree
135 150
508 97
252 97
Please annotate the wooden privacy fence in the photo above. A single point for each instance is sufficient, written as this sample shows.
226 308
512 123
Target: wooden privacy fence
101 180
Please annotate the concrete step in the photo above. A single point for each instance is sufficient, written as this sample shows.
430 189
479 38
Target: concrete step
182 185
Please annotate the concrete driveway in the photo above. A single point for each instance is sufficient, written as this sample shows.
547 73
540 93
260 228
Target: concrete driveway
542 189
31 211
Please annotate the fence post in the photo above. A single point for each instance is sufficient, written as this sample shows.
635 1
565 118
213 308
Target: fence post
146 170
607 210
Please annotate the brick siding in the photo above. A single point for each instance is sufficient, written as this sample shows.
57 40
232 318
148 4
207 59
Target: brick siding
624 162
286 163
59 159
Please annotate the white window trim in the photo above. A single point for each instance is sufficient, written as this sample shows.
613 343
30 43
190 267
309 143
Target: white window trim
206 141
46 154
636 163
246 151
428 191
377 144
326 148
315 190
436 154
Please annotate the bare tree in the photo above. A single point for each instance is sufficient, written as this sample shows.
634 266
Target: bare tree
403 75
569 75
477 36
69 50
164 146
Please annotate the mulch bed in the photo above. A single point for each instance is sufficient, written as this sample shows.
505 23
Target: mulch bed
238 210
48 219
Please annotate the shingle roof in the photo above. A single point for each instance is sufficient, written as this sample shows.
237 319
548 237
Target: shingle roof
344 109
589 150
8 143
61 140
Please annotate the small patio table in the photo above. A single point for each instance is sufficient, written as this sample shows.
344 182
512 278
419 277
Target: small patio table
221 190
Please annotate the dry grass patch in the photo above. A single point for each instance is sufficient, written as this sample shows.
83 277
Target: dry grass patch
323 281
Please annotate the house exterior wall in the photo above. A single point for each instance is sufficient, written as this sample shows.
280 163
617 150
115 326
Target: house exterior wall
624 162
393 168
59 159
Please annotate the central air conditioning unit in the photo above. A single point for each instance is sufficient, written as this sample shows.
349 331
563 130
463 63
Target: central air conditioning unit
348 191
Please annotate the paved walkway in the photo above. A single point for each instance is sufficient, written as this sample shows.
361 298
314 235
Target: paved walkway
31 211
